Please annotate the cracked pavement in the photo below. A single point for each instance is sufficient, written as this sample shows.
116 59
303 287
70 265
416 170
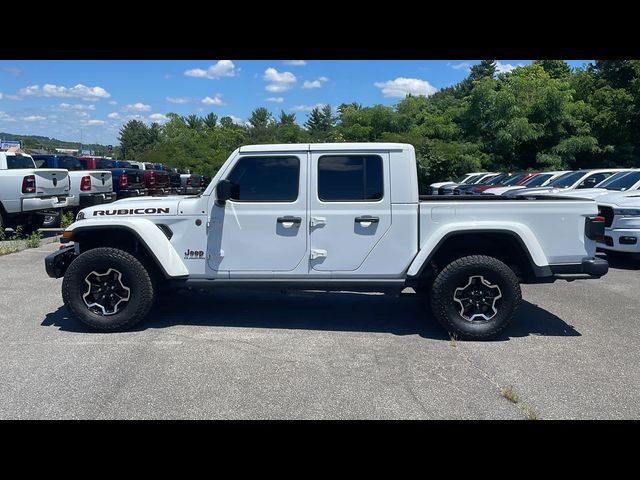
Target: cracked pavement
573 353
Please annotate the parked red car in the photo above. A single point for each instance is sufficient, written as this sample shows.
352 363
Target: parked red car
515 179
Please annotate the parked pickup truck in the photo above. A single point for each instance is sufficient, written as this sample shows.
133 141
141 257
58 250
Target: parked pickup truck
155 178
127 181
326 216
27 193
621 211
192 183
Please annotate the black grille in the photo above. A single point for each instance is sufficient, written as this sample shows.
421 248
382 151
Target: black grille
607 213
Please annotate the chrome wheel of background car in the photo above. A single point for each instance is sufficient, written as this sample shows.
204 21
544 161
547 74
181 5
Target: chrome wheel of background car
477 299
106 294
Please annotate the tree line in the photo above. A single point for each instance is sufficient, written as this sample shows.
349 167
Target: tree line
540 116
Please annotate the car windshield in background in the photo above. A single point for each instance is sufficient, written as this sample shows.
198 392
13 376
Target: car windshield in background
127 165
621 182
568 179
70 163
515 179
104 163
498 179
474 179
537 180
19 161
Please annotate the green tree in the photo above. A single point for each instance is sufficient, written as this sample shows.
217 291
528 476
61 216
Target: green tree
134 139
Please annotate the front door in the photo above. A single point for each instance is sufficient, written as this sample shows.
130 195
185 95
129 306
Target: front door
350 208
263 227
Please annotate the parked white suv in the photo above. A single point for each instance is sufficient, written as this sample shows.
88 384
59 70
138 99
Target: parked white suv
466 179
619 182
539 180
579 179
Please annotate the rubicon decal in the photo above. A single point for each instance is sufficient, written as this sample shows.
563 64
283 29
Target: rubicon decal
132 211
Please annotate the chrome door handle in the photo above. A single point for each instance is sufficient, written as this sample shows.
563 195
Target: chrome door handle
367 219
288 219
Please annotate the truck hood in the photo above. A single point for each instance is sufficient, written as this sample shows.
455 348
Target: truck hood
586 192
501 190
621 199
136 207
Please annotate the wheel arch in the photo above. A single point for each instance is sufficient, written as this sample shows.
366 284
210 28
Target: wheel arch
503 244
151 244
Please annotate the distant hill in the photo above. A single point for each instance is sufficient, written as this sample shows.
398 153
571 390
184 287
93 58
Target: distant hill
36 142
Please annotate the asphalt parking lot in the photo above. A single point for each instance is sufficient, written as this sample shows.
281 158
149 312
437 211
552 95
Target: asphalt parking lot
572 354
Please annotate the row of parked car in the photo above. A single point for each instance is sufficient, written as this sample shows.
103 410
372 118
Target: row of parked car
616 191
35 189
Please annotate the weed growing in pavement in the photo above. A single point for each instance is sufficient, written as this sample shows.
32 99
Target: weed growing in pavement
66 219
33 240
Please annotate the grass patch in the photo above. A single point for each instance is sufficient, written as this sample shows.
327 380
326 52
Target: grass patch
33 240
453 340
509 394
7 249
66 219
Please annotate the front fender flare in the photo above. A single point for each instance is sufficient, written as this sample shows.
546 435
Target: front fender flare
149 235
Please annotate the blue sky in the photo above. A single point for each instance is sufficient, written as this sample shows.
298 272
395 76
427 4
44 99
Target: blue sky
67 99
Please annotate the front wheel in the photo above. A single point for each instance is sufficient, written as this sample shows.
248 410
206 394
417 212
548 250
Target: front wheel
108 289
476 297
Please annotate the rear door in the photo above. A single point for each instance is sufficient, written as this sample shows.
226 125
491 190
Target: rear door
350 207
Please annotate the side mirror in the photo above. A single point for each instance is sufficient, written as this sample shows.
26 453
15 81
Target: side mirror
223 192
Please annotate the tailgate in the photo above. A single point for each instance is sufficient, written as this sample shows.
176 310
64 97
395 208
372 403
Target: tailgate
51 181
135 178
162 179
101 181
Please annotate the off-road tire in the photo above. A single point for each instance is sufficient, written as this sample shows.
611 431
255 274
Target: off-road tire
134 275
455 275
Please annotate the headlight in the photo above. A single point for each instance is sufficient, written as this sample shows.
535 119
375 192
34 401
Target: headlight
627 212
80 216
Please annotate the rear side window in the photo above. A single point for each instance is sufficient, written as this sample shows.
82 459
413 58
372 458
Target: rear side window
70 163
348 178
265 179
104 163
19 161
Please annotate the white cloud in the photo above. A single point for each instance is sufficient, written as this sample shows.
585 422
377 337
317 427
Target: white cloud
34 118
278 81
460 66
315 83
5 117
114 115
137 107
79 91
15 71
76 106
96 122
158 118
216 100
275 99
236 120
112 102
506 67
295 63
401 87
224 68
306 108
179 100
81 114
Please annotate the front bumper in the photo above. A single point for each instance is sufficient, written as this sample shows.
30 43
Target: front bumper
47 203
623 240
590 267
97 199
56 264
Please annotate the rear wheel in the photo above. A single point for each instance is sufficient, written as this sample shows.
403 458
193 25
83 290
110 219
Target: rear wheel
476 297
52 221
108 289
32 223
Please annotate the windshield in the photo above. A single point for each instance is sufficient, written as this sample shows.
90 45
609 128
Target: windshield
621 181
515 179
126 165
537 180
497 179
19 161
70 163
568 179
101 163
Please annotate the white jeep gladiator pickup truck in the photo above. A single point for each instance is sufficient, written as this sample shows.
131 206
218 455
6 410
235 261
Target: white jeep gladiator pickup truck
330 217
27 192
